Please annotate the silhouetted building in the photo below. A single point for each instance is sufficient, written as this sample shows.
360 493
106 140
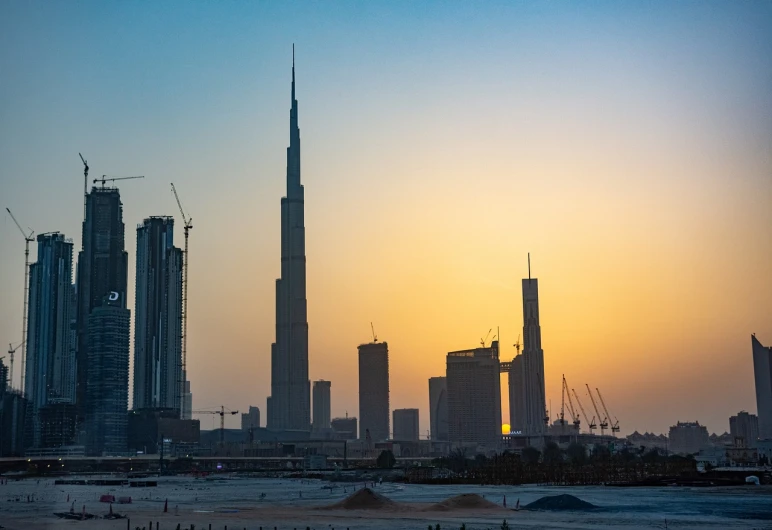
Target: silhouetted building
762 371
406 425
158 318
534 402
251 419
321 405
438 408
289 406
4 383
746 427
474 395
57 425
13 420
149 427
688 437
516 385
344 428
374 390
108 377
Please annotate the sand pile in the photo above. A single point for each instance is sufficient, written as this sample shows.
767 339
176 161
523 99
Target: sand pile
559 502
465 501
364 499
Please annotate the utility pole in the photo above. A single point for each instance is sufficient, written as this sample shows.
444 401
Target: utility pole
27 240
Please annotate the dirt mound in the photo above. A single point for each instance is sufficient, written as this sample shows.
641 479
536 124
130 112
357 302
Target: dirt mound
465 501
559 502
364 499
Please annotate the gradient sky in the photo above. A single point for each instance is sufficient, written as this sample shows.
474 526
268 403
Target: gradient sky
626 145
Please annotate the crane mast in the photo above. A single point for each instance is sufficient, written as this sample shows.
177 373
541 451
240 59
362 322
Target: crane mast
11 350
27 240
615 425
571 409
188 225
590 423
603 423
85 185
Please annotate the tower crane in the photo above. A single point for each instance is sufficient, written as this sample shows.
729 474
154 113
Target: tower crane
372 330
85 184
482 341
571 410
27 240
11 350
615 425
518 345
106 178
590 423
188 225
222 412
603 423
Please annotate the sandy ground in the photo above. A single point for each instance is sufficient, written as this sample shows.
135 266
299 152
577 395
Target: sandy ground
294 504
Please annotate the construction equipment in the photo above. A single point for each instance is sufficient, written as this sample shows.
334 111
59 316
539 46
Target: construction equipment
571 410
222 412
27 240
603 423
106 178
482 341
188 225
590 422
518 345
615 425
11 350
562 417
85 184
372 330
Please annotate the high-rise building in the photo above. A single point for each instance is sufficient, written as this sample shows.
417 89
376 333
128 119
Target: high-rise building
516 386
3 377
13 420
251 419
107 399
688 437
158 318
534 401
344 428
762 371
374 391
289 406
474 395
321 405
102 269
405 425
744 427
438 408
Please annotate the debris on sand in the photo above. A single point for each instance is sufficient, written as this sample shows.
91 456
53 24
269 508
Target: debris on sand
465 501
559 502
364 499
74 516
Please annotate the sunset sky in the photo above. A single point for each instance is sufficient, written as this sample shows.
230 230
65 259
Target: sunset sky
626 145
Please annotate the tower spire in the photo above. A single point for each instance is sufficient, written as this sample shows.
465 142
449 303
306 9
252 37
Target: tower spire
293 73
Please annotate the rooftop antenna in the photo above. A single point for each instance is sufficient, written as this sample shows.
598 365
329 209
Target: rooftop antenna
529 266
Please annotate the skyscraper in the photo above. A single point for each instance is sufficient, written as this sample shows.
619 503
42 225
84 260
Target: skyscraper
762 371
251 419
534 402
289 406
321 405
744 427
102 269
374 390
158 318
405 425
516 395
438 408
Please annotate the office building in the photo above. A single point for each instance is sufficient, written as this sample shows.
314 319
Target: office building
438 408
251 419
762 371
13 421
344 428
405 425
108 377
56 423
516 386
289 406
688 437
158 318
374 391
147 427
534 402
474 395
321 405
744 429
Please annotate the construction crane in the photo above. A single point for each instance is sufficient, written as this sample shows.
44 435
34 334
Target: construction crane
11 350
603 423
615 425
106 178
222 412
188 225
85 184
590 422
482 341
372 330
571 410
27 240
517 344
541 389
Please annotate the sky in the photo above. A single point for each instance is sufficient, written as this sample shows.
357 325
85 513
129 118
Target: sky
626 145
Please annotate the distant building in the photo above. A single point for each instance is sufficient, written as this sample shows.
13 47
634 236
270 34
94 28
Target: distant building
688 437
4 383
762 371
648 440
57 424
406 425
474 395
147 428
321 395
534 401
516 385
746 427
438 408
374 391
13 414
344 428
251 419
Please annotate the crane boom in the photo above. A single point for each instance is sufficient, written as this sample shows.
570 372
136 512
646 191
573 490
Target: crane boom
85 184
615 425
188 225
590 423
27 240
222 412
106 178
11 350
571 409
603 423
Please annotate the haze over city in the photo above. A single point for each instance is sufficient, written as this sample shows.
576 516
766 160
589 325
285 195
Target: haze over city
627 147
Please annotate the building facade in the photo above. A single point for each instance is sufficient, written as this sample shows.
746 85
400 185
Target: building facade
158 374
688 437
534 402
374 391
474 395
289 406
406 425
438 408
251 419
321 405
744 427
762 371
344 428
516 387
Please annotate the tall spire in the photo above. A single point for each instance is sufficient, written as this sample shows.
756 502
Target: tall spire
293 73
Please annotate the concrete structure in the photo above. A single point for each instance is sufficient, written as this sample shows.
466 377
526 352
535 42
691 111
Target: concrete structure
516 386
147 428
744 427
438 408
374 391
762 371
13 414
158 378
108 377
344 428
474 395
321 405
406 425
688 438
57 424
534 401
289 406
251 419
102 269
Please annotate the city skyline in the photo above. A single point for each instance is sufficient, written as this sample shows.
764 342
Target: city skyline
626 236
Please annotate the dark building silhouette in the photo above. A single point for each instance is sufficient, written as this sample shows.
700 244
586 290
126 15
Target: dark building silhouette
13 423
374 391
762 373
147 428
321 405
438 408
405 425
516 385
57 425
289 406
344 428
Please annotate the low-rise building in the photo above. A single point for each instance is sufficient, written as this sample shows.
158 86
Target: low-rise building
688 437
